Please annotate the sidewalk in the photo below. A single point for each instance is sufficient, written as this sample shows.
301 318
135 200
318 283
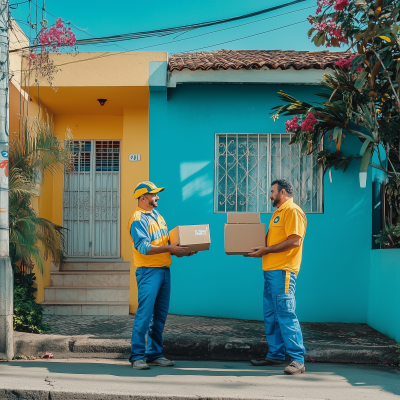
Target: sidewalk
99 379
203 338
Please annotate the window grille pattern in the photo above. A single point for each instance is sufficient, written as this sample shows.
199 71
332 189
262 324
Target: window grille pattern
246 164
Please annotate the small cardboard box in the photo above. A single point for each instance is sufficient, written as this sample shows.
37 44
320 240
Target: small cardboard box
194 237
243 232
243 218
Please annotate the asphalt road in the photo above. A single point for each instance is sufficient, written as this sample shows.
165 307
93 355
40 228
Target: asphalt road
75 377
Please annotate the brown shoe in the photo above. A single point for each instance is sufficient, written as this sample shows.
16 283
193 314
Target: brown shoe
295 368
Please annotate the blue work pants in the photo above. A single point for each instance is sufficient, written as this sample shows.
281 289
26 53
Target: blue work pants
282 327
154 289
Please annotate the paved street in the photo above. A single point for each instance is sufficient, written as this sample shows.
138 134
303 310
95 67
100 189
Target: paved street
95 379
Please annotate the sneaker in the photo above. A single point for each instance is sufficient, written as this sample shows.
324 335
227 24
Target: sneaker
161 362
139 364
267 361
295 368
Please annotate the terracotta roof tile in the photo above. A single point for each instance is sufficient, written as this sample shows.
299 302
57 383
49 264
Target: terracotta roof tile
254 59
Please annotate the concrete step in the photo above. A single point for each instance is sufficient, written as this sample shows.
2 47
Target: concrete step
96 266
82 294
90 278
85 308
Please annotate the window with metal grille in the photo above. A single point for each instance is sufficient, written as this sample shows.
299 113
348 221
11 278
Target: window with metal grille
247 164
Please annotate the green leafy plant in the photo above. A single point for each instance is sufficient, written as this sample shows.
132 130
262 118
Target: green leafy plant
389 237
361 95
392 195
35 153
27 313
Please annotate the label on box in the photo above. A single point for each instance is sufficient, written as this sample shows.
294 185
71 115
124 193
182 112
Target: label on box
200 233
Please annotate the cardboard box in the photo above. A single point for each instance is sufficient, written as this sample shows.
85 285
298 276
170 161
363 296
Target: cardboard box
194 237
243 232
243 218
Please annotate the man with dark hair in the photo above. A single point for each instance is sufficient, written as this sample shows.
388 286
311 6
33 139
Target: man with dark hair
281 259
152 258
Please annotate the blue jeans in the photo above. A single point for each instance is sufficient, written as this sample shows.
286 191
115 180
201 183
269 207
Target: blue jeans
154 288
282 327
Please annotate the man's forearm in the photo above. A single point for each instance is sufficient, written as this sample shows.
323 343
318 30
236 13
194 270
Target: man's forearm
286 245
157 250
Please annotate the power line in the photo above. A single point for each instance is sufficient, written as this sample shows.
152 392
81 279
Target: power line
224 29
44 10
107 54
246 37
217 44
169 31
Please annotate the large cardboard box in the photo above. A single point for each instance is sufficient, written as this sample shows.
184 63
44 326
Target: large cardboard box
243 232
194 237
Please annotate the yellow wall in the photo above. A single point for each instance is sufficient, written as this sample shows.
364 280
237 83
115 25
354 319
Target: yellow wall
121 78
101 69
135 141
132 129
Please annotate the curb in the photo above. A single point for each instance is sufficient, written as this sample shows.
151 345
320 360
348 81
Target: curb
198 347
10 394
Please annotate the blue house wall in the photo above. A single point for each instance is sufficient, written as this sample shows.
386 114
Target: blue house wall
334 277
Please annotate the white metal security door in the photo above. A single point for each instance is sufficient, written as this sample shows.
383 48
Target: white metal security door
91 203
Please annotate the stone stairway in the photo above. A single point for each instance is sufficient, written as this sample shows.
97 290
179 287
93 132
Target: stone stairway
88 288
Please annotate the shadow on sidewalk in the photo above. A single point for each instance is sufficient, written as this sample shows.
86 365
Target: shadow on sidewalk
384 378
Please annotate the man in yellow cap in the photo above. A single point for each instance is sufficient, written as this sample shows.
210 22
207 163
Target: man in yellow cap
152 258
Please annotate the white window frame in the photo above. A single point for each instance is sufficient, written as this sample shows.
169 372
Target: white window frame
320 209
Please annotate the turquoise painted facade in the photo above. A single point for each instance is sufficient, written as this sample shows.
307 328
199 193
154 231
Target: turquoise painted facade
333 282
384 304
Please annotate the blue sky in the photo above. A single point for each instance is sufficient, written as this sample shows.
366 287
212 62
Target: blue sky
105 18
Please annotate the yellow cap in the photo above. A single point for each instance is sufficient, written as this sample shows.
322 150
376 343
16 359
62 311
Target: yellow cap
146 187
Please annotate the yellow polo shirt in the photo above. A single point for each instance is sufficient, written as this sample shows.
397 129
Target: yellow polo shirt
288 219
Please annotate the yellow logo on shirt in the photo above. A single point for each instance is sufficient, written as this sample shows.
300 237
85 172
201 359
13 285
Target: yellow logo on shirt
276 220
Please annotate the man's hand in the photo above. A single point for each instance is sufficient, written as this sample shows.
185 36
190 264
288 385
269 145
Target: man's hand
192 253
259 251
176 250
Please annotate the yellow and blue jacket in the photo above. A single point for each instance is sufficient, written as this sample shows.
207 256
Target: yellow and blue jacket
148 228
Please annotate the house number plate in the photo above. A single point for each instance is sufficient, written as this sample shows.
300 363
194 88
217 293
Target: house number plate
134 157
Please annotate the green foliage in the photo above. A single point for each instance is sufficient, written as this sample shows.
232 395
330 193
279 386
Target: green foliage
389 236
35 153
27 313
362 93
361 97
392 195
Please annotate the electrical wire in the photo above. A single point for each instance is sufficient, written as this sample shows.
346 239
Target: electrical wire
224 29
44 10
169 31
17 4
245 37
103 55
108 54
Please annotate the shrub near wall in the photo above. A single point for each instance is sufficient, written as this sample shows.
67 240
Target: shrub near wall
384 289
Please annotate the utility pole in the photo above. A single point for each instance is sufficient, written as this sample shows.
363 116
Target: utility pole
6 273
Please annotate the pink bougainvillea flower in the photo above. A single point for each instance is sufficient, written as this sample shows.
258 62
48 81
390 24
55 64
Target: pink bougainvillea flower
309 122
341 5
292 124
57 36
